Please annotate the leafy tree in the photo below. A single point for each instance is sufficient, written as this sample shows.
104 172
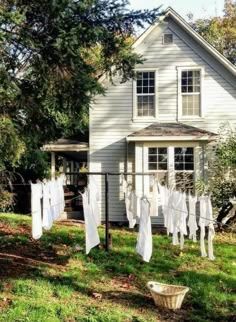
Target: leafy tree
51 56
222 173
220 31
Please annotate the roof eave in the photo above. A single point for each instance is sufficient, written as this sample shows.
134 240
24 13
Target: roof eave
206 138
65 148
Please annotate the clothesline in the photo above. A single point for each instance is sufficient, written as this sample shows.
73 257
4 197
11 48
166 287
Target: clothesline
171 208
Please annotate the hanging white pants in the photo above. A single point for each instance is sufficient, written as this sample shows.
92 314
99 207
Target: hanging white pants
144 241
36 195
91 233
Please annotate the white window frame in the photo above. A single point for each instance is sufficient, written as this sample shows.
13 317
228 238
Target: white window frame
180 101
171 162
144 119
163 39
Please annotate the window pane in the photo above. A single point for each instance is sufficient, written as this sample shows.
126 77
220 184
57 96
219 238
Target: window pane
189 166
152 166
162 158
162 166
152 158
157 161
152 150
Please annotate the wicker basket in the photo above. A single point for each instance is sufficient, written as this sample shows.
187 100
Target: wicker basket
167 296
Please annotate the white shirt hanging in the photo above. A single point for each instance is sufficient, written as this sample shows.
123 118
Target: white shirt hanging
144 241
91 233
130 210
192 219
36 195
154 199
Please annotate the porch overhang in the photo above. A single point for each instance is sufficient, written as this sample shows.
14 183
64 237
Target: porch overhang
168 138
161 132
64 145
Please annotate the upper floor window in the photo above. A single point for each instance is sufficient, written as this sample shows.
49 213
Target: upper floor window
146 93
190 92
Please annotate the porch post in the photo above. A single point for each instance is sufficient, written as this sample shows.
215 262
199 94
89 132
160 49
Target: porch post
53 165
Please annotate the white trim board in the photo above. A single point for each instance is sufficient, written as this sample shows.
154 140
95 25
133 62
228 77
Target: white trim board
168 138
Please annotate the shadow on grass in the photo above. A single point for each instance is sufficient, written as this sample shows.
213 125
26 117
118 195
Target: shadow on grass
56 249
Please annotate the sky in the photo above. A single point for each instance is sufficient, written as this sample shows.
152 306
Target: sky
199 8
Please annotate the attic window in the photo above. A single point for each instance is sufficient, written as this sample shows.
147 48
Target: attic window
167 39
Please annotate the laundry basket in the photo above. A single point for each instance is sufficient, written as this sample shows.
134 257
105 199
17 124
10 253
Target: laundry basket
167 296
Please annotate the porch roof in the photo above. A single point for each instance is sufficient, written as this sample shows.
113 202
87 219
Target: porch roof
171 132
66 145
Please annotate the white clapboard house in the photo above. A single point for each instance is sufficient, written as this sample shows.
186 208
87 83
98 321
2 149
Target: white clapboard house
163 121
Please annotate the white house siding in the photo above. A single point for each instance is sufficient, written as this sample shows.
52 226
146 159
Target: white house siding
111 115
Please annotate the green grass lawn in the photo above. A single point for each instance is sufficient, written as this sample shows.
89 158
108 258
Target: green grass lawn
53 280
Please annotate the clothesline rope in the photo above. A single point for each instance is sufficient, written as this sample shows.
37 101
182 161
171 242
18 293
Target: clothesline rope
171 208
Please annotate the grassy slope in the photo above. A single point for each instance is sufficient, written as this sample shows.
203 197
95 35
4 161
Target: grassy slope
54 281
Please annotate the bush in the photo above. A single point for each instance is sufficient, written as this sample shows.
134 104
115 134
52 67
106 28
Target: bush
6 201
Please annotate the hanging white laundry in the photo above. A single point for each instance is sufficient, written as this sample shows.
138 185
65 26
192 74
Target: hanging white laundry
192 219
124 184
175 211
54 198
202 223
183 219
36 195
94 198
164 199
135 205
154 199
144 241
131 216
91 233
169 210
211 229
47 209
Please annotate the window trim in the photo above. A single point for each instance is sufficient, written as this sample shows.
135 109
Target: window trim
170 161
180 107
144 119
163 39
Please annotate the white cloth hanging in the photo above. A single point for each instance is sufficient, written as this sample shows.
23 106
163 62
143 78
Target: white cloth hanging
94 199
206 220
154 199
130 207
169 210
91 233
54 198
183 219
124 184
144 241
211 229
36 196
192 219
47 209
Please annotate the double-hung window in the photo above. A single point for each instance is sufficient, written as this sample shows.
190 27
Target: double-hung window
190 92
145 94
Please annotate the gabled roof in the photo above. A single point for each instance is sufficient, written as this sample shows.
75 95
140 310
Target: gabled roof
171 131
169 12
